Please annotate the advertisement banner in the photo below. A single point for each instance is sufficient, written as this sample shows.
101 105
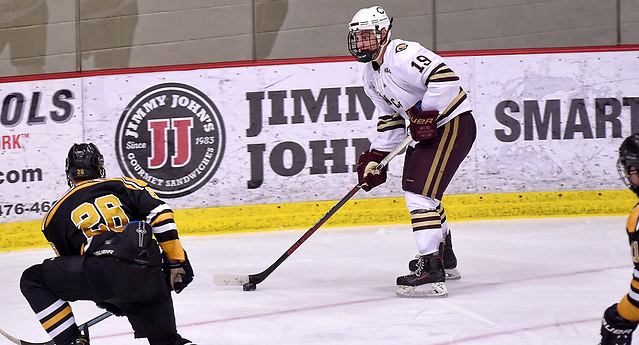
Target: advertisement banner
293 132
553 122
39 120
235 136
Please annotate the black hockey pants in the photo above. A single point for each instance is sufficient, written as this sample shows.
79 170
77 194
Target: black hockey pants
139 292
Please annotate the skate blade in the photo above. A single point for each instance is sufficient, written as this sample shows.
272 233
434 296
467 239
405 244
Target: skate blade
452 274
426 290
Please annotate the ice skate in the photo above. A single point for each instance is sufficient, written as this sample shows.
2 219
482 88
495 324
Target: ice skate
450 261
427 280
82 339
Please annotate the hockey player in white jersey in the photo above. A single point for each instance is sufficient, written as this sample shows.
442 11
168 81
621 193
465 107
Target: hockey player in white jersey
406 81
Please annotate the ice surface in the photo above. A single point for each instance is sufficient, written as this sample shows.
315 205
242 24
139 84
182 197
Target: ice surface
527 281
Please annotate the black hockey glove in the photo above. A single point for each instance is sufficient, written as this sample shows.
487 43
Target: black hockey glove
615 329
177 274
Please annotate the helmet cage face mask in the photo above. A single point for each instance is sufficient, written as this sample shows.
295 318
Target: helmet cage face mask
369 40
367 27
84 162
624 165
628 162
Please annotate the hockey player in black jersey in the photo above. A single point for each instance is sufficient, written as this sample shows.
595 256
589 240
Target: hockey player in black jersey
117 245
621 319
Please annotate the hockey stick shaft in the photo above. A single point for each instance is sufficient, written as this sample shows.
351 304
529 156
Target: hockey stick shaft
259 277
50 342
95 320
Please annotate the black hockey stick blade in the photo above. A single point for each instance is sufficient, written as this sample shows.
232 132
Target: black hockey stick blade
50 342
250 281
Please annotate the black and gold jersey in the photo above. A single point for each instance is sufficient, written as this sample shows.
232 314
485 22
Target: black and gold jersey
629 305
96 206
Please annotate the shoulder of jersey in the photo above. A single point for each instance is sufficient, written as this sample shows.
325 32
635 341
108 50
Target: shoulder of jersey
127 181
136 181
633 219
404 50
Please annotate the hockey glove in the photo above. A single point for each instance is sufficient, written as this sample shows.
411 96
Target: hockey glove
177 274
423 123
615 329
367 175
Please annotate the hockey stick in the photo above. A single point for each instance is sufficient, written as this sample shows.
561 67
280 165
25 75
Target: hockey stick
250 281
82 328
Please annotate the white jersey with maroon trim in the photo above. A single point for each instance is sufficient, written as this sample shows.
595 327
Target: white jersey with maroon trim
410 73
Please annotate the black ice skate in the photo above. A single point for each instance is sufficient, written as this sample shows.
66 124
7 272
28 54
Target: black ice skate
81 341
450 260
427 280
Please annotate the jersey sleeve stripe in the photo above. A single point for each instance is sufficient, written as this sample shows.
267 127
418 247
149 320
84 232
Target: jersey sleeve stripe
162 218
388 122
133 184
632 223
162 211
161 228
442 73
454 104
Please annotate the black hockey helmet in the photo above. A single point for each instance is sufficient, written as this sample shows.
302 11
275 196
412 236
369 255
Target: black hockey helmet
628 162
84 162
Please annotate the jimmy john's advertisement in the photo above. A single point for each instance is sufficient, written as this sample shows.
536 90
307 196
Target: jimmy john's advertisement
293 132
234 136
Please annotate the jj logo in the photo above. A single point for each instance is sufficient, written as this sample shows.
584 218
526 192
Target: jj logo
182 128
172 137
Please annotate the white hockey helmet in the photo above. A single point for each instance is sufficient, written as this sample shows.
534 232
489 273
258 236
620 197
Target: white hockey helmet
373 19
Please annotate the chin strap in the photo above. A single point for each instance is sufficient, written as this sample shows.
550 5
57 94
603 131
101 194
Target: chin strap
390 25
